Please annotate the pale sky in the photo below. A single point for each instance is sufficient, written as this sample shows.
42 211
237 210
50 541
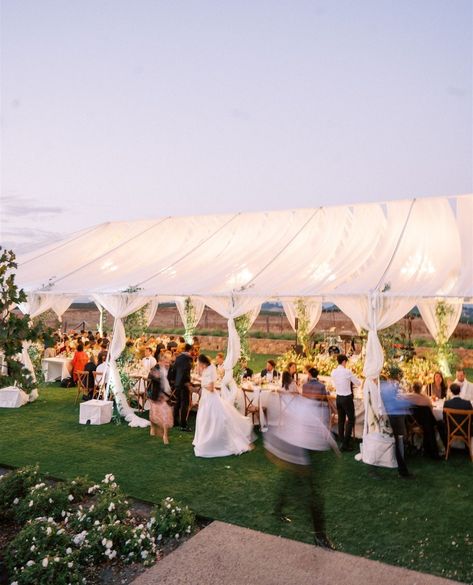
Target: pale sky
126 109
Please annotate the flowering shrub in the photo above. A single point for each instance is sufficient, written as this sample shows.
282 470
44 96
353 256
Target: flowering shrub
419 370
169 520
43 500
14 486
69 527
42 553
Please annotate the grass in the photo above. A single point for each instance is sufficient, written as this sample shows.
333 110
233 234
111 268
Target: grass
425 524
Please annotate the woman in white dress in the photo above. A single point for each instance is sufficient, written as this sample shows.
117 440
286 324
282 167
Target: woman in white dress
220 429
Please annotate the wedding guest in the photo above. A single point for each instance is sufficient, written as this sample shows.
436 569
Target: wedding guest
102 353
148 361
269 372
344 381
288 383
103 367
457 401
160 413
90 367
423 414
160 347
438 388
397 408
172 343
79 360
219 359
466 387
183 367
246 371
313 388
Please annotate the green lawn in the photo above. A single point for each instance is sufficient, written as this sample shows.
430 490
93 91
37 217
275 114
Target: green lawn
425 524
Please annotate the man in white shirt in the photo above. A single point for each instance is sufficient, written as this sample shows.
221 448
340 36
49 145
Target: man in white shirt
466 391
344 380
148 361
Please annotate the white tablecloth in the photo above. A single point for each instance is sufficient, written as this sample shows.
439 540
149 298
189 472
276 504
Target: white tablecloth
96 412
56 368
12 397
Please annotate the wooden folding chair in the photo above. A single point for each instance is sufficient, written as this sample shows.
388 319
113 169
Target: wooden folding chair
99 386
82 389
250 406
458 428
192 390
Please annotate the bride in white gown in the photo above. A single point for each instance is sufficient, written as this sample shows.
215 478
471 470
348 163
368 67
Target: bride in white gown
220 429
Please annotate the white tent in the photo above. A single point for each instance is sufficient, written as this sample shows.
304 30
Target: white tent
375 261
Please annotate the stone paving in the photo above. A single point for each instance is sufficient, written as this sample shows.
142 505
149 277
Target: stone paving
223 554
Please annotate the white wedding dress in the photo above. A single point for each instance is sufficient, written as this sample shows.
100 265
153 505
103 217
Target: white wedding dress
220 430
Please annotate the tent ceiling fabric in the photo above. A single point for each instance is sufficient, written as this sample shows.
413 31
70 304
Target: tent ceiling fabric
413 248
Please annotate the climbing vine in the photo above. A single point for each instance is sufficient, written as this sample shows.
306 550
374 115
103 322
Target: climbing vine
446 358
190 320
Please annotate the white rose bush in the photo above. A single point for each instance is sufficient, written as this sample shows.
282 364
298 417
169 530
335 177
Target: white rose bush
64 529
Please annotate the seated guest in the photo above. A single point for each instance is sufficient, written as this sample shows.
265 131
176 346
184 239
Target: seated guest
313 388
160 347
103 368
269 372
148 361
423 414
247 372
292 369
79 361
90 367
457 403
219 359
438 388
466 386
172 343
288 382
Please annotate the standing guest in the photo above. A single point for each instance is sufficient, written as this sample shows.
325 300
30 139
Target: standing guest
438 388
344 380
269 372
102 353
148 361
466 387
397 408
160 413
182 367
181 345
79 360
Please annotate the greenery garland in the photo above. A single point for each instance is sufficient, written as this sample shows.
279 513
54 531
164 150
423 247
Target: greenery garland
446 358
189 320
303 332
242 325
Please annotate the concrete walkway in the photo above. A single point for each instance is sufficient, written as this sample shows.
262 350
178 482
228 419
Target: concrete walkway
223 554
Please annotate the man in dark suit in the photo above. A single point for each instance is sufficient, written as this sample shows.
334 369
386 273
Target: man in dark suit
458 404
313 388
270 370
182 370
247 372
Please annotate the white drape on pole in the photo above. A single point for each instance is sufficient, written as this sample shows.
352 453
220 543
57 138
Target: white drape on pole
36 304
120 306
427 309
190 320
231 308
151 309
60 304
373 313
313 308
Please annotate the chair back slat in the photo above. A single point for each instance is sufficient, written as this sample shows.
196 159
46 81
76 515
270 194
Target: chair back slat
458 428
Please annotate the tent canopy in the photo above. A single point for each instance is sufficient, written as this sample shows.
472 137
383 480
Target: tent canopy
409 248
